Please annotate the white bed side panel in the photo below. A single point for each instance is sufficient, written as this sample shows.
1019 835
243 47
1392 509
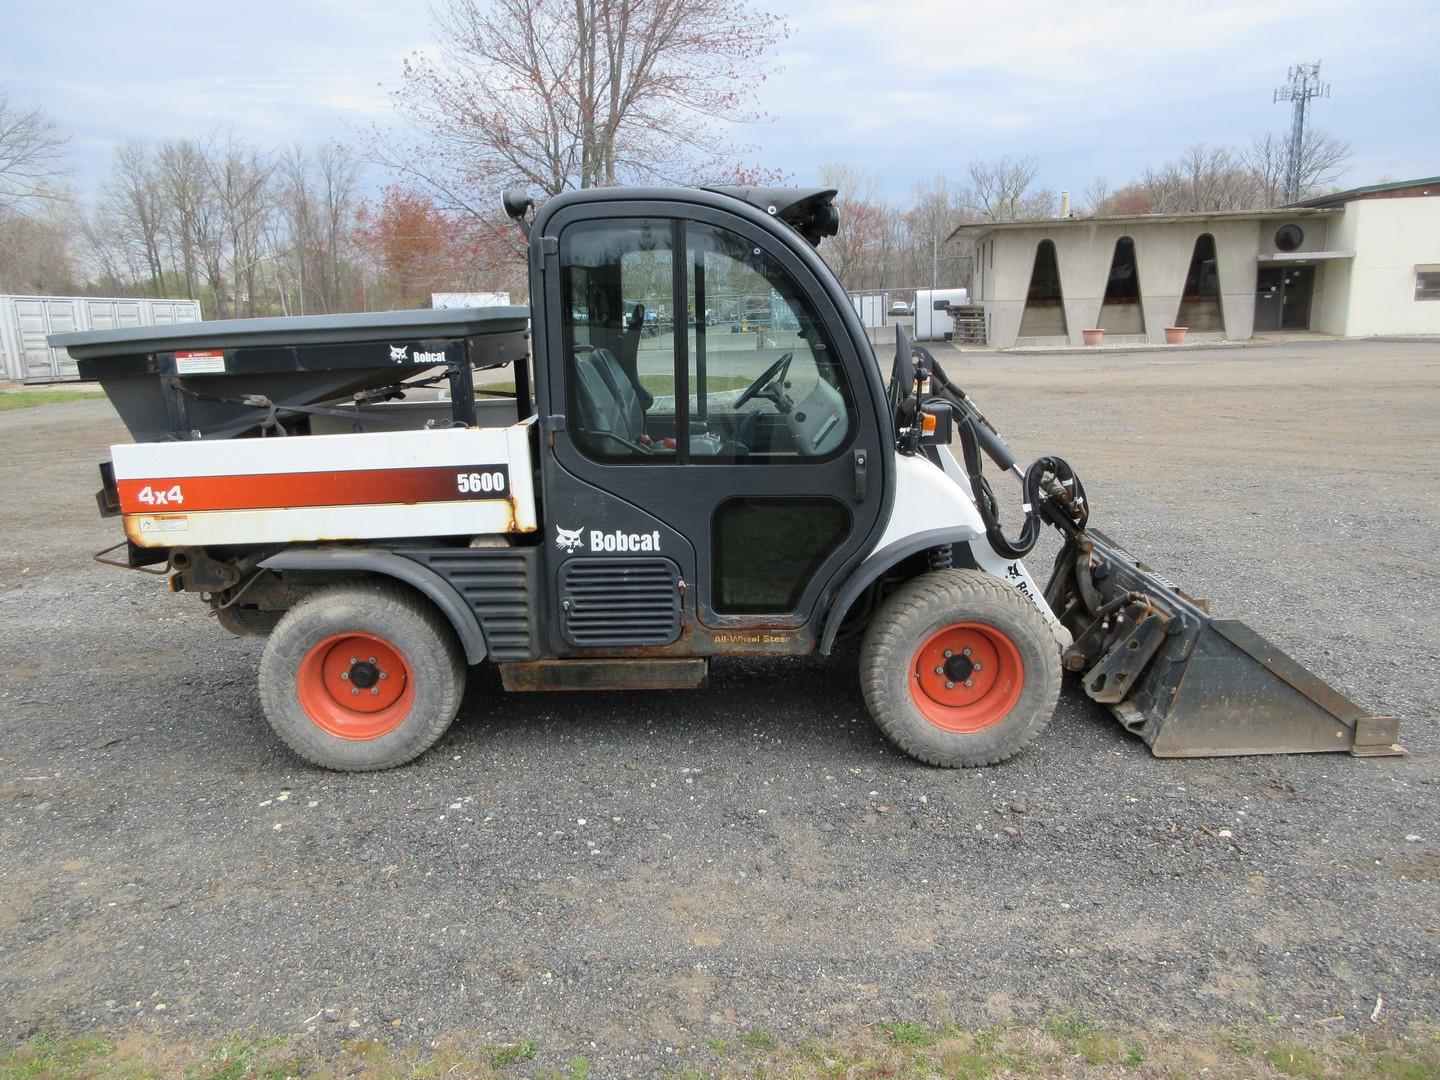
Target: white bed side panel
461 447
318 523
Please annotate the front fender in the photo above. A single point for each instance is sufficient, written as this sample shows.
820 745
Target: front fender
877 562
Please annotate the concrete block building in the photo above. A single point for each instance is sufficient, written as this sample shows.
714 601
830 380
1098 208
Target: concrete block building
1357 263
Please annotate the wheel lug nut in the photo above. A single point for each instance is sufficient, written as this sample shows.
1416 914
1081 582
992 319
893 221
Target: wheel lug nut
355 690
965 652
939 671
374 690
384 675
948 653
372 659
949 685
977 666
345 675
969 682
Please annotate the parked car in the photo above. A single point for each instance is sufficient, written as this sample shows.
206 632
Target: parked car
899 307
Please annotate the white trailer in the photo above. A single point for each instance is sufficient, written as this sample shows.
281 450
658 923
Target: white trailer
25 321
932 317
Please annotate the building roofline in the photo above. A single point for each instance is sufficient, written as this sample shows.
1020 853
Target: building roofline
1362 192
980 228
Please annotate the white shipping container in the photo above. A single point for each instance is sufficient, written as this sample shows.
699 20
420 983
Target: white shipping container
870 307
25 321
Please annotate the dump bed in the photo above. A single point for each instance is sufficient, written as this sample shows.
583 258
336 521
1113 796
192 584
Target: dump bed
229 378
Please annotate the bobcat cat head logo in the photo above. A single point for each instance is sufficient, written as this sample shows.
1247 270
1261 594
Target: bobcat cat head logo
399 353
568 540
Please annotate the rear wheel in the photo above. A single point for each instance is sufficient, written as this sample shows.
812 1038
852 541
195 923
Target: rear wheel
959 670
361 676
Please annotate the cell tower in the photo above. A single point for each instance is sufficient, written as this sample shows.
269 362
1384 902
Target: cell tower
1304 84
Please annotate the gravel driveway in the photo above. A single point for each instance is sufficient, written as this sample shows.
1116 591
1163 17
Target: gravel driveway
627 875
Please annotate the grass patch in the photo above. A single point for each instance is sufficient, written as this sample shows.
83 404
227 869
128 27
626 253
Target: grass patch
905 1033
241 1060
50 1055
26 399
758 1039
1294 1060
513 1053
1065 1047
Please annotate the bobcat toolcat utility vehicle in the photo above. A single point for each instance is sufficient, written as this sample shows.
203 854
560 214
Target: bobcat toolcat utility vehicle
701 456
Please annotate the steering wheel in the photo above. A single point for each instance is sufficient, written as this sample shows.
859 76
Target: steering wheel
774 373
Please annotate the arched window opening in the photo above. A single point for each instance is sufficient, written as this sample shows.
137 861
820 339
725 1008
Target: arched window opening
1121 311
1200 302
1044 314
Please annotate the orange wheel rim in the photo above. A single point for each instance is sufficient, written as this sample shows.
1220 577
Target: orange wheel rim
966 677
355 686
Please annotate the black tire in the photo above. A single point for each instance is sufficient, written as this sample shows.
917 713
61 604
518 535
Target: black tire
1005 716
298 669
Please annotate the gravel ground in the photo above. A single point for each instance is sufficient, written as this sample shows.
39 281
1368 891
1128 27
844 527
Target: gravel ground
627 875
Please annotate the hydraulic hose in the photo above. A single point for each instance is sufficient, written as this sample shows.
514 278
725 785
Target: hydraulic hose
1053 492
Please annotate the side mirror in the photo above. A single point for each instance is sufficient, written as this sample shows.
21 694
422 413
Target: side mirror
517 204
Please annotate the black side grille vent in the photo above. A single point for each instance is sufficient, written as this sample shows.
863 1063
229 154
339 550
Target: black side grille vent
499 586
612 602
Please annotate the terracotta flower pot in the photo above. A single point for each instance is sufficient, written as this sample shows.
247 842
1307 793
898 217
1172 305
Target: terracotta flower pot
1175 335
1093 337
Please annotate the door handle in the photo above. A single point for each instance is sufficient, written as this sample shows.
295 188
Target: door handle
860 460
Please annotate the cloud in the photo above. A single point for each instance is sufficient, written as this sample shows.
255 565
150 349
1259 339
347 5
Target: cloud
903 89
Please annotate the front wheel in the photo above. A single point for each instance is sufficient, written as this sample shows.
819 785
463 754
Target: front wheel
959 670
361 676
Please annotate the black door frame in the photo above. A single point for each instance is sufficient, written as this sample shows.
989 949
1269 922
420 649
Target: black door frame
1283 294
684 497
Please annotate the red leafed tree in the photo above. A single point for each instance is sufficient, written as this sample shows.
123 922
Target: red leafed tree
558 94
416 247
409 240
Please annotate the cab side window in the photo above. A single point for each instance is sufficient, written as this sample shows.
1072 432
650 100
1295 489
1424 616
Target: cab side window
763 383
766 384
617 283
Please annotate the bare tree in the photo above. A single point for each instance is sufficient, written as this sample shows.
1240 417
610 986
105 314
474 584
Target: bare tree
338 175
1097 197
239 179
1203 178
296 229
192 219
133 211
1323 159
936 210
999 189
559 94
854 251
315 196
37 248
32 155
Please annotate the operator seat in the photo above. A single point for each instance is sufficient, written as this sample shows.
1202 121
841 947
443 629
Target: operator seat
611 416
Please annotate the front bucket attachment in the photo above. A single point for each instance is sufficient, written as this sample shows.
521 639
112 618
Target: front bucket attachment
1190 685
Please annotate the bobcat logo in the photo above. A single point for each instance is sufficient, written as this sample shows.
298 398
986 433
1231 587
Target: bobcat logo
569 540
399 353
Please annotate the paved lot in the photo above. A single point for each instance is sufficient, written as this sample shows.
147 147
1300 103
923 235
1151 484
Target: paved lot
618 875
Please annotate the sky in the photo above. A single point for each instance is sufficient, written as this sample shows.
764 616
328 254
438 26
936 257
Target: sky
904 90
